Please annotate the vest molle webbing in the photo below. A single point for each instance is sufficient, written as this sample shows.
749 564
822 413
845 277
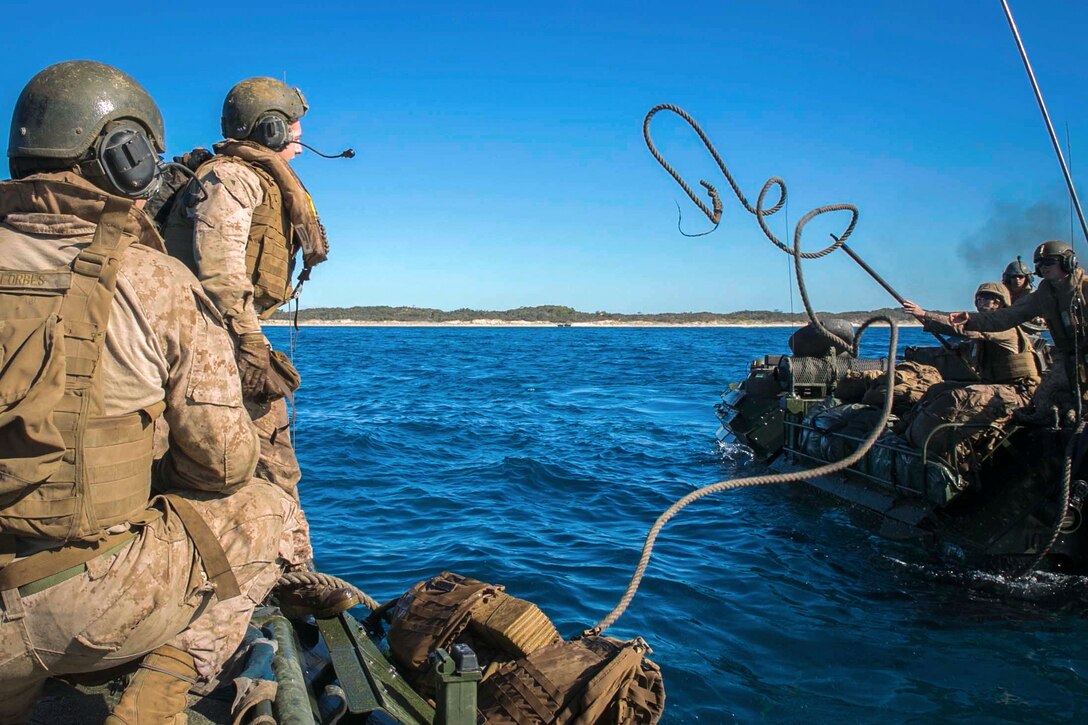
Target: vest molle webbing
67 471
270 253
531 675
270 248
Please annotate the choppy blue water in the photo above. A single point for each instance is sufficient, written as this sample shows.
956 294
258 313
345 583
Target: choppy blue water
538 458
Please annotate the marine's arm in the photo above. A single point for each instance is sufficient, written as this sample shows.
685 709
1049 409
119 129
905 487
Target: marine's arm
213 444
1006 318
936 322
221 231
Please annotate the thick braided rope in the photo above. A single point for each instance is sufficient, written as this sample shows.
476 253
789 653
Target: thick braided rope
758 211
1067 478
301 578
830 468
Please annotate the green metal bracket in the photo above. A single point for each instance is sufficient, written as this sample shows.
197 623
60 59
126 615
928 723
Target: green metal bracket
369 680
456 674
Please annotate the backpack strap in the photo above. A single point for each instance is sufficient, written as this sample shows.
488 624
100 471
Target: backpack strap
611 681
85 313
216 564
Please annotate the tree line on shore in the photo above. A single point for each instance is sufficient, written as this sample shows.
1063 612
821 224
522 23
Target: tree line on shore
559 314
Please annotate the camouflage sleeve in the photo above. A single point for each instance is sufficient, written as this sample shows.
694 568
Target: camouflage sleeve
936 322
1006 318
221 230
213 445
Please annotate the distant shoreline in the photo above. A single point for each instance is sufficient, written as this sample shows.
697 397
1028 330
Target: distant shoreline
526 323
560 316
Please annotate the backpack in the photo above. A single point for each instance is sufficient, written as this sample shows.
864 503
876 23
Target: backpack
530 673
174 186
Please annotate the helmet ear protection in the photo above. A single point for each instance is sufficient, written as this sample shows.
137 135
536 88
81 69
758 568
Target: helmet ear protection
124 162
1069 262
272 130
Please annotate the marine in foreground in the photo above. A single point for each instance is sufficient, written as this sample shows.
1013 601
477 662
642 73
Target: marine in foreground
107 559
137 541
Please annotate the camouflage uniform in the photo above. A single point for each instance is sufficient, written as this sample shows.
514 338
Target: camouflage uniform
164 344
221 231
1061 304
1004 357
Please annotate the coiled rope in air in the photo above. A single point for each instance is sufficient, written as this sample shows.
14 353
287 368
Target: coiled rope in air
303 578
714 215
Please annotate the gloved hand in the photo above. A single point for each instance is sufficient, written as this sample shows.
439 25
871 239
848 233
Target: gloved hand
253 363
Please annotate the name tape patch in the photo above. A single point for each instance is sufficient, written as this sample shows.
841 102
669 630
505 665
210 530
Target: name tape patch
40 280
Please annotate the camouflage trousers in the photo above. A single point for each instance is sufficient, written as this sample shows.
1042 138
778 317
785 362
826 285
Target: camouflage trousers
152 592
278 463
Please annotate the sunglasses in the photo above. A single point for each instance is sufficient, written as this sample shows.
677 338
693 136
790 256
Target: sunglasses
1047 261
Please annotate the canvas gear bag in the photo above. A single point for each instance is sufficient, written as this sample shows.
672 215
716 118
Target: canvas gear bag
585 681
67 471
531 675
912 380
978 411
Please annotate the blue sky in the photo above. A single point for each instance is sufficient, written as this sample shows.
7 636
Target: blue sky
501 160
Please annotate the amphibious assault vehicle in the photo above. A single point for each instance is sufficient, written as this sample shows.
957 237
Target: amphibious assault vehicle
989 492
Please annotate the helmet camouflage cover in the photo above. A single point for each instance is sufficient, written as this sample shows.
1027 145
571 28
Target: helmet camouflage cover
254 97
995 289
63 109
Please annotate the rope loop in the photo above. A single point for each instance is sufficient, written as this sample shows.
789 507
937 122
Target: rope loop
760 213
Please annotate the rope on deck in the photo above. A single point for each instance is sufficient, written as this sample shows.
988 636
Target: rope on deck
302 578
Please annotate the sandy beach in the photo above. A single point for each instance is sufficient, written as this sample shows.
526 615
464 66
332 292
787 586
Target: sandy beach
526 323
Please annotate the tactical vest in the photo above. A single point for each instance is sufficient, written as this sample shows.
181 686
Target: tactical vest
270 248
531 675
67 470
270 251
997 365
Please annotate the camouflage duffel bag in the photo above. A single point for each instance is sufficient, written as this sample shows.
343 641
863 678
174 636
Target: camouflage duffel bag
912 380
854 384
977 414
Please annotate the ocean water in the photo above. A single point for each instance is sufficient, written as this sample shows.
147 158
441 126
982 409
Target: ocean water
538 458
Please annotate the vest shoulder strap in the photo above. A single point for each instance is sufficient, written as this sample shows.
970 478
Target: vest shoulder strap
216 564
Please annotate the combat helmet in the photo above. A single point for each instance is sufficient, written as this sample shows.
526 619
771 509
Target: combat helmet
995 289
1059 250
89 115
260 110
1017 268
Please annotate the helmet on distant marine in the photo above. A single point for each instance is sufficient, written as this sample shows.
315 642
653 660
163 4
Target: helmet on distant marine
1017 268
1061 251
996 290
91 116
261 110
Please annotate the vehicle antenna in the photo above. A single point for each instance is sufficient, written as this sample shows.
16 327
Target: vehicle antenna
1046 117
1069 153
